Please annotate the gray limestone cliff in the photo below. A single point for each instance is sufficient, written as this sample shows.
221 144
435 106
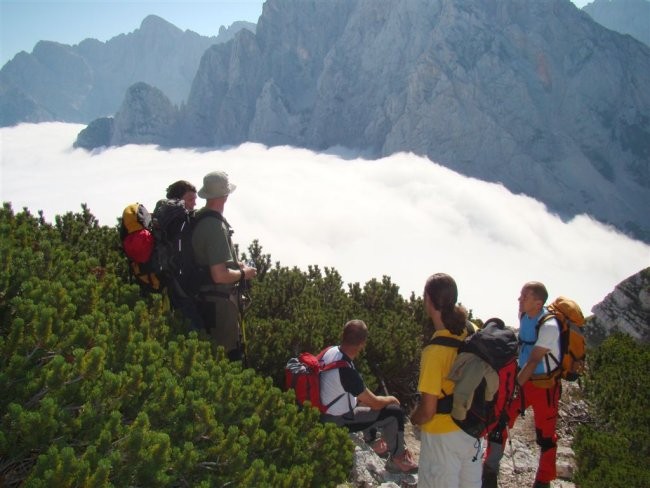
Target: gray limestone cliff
535 95
626 309
146 115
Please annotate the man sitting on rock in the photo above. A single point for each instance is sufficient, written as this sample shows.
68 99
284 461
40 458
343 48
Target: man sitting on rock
352 405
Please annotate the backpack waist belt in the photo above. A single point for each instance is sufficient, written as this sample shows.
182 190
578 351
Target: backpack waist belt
528 343
211 295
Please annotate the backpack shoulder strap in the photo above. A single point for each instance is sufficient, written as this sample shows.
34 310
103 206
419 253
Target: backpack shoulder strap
543 319
209 213
445 341
341 363
445 403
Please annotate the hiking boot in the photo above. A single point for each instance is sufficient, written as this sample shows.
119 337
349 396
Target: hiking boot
542 484
402 464
380 447
489 478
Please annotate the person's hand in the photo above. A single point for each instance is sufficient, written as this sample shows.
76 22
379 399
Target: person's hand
391 400
249 272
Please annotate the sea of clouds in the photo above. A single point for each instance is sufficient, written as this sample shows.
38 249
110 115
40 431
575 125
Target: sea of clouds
401 216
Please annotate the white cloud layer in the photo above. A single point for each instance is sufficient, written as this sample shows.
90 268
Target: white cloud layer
401 216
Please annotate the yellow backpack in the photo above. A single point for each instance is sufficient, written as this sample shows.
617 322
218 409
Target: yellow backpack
138 244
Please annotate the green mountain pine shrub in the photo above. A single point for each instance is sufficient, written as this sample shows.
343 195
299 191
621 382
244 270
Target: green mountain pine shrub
614 451
101 389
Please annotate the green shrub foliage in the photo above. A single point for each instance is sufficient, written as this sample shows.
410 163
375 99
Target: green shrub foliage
614 450
102 387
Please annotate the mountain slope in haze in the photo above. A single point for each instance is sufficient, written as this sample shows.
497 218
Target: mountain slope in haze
625 16
82 82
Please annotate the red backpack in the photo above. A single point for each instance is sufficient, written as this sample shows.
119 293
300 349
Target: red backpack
138 244
302 374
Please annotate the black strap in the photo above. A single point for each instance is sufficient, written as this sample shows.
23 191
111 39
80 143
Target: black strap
211 294
208 212
445 404
445 341
336 400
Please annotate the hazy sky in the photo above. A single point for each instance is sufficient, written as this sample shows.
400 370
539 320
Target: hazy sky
400 216
25 22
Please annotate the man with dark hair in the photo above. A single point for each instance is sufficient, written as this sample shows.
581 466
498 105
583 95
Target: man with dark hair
213 250
183 190
172 223
539 354
351 404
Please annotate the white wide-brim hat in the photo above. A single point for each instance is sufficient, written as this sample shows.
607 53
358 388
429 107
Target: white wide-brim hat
216 185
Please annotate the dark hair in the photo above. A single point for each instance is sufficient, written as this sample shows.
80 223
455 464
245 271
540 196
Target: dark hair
443 293
179 188
355 332
537 289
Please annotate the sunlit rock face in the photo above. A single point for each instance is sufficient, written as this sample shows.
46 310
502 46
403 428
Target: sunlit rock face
626 309
535 95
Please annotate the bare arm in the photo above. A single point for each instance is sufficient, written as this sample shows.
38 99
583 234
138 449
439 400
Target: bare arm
536 355
425 409
376 402
220 273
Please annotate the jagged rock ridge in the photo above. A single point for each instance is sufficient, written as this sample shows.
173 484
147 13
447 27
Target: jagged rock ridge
533 94
82 82
625 309
625 16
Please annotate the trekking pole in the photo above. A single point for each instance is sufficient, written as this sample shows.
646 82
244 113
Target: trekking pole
512 456
375 369
243 301
242 323
244 345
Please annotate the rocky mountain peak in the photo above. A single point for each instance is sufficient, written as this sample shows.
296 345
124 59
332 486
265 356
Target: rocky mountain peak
625 309
534 95
153 23
89 80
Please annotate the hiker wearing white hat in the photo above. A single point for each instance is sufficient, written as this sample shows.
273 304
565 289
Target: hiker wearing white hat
213 249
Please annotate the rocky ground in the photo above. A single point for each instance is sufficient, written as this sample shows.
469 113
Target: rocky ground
518 465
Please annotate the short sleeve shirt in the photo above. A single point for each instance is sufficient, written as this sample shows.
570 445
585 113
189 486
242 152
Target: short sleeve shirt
211 242
340 387
435 364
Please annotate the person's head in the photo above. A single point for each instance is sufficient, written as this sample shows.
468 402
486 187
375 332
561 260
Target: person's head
183 190
355 334
532 298
216 186
440 296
